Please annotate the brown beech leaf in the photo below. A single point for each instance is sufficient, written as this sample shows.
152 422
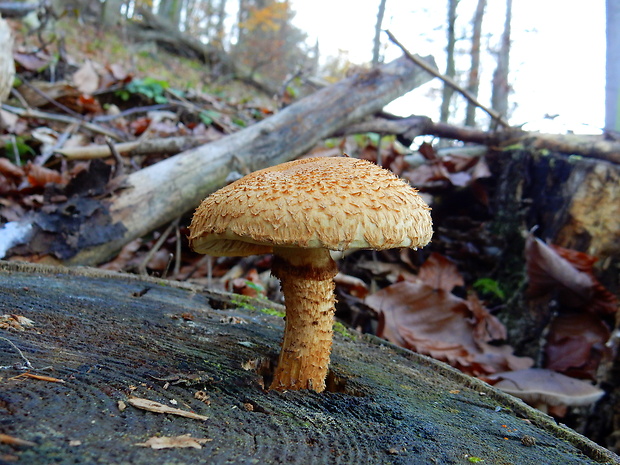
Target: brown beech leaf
602 301
576 344
581 261
428 151
427 173
39 176
568 273
437 323
10 170
548 272
486 326
420 318
440 273
457 163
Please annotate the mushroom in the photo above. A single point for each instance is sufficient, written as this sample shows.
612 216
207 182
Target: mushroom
300 211
542 388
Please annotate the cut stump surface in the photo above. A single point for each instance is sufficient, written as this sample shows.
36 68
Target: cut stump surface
110 337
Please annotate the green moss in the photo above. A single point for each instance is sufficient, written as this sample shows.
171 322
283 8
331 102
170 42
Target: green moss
343 331
273 312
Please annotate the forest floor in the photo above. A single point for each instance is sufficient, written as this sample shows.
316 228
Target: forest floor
450 291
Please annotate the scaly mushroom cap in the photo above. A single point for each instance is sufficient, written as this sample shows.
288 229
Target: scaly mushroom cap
333 203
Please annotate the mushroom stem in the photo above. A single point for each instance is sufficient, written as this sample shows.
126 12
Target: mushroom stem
306 277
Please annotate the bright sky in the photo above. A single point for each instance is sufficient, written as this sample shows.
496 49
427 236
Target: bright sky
557 58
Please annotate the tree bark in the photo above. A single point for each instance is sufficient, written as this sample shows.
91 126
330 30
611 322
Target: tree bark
377 41
160 193
448 91
612 86
499 96
474 71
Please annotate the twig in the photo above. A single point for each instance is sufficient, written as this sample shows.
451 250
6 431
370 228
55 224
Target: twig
131 111
157 246
30 113
119 169
49 99
492 113
68 132
27 366
177 257
142 146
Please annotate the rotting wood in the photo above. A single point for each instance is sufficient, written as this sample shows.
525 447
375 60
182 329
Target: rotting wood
387 405
157 194
143 146
586 145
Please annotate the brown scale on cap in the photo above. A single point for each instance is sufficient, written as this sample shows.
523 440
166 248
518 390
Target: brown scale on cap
299 211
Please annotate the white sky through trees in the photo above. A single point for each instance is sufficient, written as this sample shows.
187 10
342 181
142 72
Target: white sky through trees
557 62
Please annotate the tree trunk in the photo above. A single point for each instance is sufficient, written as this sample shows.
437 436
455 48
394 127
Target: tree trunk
448 91
499 96
376 57
111 338
573 203
160 193
170 12
612 87
474 71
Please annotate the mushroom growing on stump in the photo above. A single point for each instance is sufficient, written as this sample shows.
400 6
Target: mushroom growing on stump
300 211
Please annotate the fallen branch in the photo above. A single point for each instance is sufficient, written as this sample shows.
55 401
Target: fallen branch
492 113
31 113
158 194
593 146
164 146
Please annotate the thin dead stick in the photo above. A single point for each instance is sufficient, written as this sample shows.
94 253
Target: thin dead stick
119 169
49 99
143 146
27 363
31 113
157 246
492 113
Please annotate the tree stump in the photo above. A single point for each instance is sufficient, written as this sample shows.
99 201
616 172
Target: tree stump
112 337
572 201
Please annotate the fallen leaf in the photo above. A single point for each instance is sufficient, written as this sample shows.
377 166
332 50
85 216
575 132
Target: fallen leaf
15 322
548 272
440 273
175 442
86 78
10 170
576 344
156 407
486 326
437 323
567 273
39 176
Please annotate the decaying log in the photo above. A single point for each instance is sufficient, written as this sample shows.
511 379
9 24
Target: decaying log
112 337
160 193
593 146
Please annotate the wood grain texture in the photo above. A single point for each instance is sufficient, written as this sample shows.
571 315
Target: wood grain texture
109 336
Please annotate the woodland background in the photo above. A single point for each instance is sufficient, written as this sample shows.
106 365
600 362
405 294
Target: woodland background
487 296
